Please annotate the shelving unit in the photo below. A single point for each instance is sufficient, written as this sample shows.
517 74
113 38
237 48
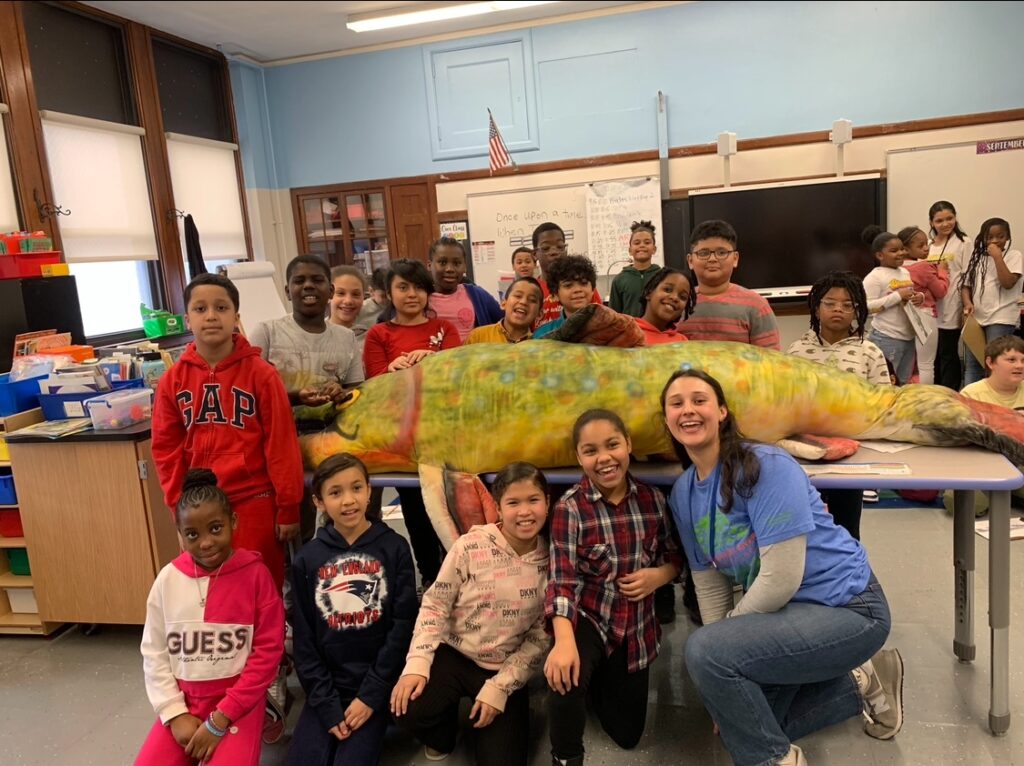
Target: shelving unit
18 622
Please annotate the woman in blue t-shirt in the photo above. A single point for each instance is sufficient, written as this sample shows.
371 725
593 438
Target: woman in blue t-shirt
800 650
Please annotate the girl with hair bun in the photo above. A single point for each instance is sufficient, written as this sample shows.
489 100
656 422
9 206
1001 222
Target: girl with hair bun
213 639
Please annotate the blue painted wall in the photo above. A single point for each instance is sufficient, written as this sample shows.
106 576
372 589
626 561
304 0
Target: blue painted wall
759 69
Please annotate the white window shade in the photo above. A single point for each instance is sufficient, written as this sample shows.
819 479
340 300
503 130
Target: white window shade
205 184
99 176
8 206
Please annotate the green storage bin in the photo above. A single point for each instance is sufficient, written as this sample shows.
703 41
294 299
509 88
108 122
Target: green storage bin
160 324
18 559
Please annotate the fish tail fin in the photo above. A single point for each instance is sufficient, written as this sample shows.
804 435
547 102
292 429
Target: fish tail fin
455 501
987 425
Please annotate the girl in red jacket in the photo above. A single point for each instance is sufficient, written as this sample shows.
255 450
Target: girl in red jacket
213 640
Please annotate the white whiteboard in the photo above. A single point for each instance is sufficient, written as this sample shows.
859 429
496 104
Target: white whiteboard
499 222
980 186
611 207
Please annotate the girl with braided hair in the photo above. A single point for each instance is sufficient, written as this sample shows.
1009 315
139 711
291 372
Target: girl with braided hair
990 288
839 311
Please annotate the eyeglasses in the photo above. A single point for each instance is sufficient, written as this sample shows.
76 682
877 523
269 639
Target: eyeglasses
846 307
719 255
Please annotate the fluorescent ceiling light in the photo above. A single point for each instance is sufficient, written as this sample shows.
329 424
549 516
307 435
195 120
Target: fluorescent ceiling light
425 13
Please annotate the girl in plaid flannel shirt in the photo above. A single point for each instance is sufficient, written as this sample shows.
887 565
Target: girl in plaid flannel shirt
612 546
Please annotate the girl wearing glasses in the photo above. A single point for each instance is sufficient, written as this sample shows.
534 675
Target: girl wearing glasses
839 312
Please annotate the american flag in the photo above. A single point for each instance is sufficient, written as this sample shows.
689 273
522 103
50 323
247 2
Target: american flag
499 153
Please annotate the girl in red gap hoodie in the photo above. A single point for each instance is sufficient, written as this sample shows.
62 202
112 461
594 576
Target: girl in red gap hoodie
222 406
213 639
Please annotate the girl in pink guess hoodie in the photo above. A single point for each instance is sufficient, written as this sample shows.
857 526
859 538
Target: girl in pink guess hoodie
213 640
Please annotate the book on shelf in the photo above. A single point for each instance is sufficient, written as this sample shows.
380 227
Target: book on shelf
55 429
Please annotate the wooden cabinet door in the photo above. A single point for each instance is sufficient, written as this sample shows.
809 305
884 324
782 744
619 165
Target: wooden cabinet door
410 214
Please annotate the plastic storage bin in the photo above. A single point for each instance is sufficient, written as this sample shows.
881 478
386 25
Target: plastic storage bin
62 406
7 494
20 396
23 600
18 559
10 523
120 409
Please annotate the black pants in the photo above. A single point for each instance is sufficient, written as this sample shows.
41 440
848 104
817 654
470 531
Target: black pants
433 718
619 697
426 547
845 505
947 360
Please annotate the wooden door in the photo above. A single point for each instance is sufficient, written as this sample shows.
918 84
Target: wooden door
410 213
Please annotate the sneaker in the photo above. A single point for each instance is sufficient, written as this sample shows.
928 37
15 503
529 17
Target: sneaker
795 757
577 761
273 722
434 755
870 495
882 690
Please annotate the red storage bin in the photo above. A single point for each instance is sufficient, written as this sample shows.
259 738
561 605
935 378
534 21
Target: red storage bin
10 523
26 264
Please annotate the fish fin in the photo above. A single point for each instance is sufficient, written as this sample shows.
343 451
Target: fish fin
455 501
597 325
811 447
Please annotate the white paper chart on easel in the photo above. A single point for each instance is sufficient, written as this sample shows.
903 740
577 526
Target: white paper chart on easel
612 206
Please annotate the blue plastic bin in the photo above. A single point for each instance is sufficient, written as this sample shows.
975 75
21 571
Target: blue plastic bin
55 405
7 494
20 396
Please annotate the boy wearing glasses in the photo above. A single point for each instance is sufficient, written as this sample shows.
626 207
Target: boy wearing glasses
725 311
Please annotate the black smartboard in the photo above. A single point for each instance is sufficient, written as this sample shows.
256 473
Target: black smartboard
791 235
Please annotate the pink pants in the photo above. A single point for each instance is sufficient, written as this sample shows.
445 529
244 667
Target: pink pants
237 748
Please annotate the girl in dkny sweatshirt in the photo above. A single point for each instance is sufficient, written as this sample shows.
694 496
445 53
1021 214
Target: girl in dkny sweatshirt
480 631
213 639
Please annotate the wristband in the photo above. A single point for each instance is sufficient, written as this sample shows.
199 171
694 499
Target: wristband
213 728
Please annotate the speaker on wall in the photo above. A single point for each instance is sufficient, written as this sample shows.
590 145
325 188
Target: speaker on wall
37 303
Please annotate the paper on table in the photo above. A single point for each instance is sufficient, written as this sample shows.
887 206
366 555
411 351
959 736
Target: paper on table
858 469
981 528
888 447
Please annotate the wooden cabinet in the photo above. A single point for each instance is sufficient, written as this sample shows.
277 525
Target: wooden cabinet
366 225
95 523
21 588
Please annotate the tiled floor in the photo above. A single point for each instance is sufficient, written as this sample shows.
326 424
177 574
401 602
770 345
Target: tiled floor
79 700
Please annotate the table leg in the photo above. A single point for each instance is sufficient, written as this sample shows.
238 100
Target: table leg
963 574
999 609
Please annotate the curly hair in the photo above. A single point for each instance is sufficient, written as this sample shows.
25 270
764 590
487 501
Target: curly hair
845 280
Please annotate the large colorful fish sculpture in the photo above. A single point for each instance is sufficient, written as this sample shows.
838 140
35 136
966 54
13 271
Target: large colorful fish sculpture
474 409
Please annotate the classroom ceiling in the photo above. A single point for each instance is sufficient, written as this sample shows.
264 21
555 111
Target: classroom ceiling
269 32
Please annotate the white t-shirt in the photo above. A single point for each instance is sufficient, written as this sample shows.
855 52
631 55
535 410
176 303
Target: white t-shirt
956 252
888 317
305 359
993 304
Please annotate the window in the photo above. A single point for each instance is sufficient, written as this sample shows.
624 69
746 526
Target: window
8 202
191 87
349 227
204 178
110 294
95 155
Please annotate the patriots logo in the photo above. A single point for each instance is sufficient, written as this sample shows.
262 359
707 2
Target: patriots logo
364 590
351 591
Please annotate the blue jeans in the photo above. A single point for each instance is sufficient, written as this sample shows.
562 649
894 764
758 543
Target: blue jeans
899 353
974 370
769 679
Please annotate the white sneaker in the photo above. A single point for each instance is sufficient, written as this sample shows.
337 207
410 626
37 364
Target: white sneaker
870 496
795 757
434 755
881 685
